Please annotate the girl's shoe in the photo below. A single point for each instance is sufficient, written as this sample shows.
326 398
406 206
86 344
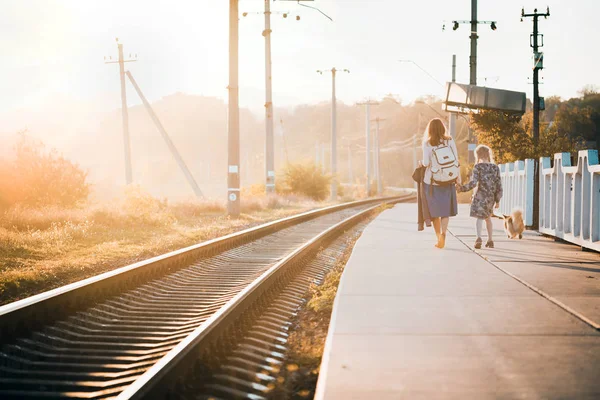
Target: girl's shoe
441 241
478 242
490 244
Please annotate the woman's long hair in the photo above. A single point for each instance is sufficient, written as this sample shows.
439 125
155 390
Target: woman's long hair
435 133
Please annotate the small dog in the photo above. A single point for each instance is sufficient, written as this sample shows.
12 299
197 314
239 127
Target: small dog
513 224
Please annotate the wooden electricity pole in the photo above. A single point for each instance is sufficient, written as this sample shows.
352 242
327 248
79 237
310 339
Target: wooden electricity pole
124 114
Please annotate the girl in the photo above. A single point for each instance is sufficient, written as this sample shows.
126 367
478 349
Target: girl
486 176
441 199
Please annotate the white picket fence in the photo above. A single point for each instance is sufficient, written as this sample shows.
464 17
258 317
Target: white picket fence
569 196
517 185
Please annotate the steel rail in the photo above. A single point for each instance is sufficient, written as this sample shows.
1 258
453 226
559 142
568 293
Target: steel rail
169 371
39 310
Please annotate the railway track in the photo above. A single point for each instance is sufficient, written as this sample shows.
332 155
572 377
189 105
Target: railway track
157 328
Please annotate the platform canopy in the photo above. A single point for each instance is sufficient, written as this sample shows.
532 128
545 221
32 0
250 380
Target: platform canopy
465 99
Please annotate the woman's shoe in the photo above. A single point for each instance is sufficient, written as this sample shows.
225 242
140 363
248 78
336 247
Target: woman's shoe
490 244
478 242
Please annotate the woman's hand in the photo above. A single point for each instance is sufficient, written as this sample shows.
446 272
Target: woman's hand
497 205
420 163
458 187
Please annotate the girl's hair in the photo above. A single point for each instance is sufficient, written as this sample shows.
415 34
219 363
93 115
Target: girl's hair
435 133
483 152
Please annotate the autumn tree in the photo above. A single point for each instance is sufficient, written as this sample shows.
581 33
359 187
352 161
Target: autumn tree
511 136
504 133
580 116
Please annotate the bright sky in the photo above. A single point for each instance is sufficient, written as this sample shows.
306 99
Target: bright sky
55 48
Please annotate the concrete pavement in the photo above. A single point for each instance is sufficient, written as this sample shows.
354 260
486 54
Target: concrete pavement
412 321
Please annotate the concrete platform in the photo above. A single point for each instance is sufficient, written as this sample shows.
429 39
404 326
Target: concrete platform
414 322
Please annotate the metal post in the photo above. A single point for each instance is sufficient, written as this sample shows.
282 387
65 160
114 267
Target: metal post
269 148
334 179
125 118
473 56
233 170
536 90
188 175
536 108
452 120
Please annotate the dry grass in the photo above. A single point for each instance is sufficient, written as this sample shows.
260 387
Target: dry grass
41 249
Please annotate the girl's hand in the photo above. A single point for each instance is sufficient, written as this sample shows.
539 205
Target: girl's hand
458 187
497 205
420 163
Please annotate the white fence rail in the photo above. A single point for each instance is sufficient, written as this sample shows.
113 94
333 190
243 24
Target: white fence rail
517 184
570 198
569 205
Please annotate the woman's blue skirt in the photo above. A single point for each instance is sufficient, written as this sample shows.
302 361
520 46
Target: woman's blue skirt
441 200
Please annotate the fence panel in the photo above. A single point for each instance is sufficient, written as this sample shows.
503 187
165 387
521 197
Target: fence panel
570 198
517 184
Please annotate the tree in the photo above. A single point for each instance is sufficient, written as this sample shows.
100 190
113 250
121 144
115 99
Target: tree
504 133
579 117
511 136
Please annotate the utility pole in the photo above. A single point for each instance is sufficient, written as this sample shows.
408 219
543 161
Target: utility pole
269 142
452 120
269 147
233 127
368 105
473 56
377 157
473 38
334 178
124 112
536 41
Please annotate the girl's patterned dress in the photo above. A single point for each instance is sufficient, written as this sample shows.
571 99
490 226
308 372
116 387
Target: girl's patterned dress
486 176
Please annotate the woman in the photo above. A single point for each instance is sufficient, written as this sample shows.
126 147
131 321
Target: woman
441 197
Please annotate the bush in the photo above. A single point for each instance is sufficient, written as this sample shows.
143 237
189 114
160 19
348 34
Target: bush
141 207
307 180
37 177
